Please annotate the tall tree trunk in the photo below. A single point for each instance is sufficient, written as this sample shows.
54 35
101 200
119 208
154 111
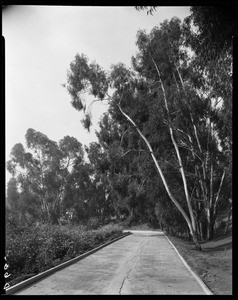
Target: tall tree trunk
193 233
219 191
189 204
198 230
208 198
210 225
200 224
161 225
228 221
213 211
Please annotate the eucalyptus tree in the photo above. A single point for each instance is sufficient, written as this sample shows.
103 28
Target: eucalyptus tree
122 168
197 123
80 192
43 171
105 159
84 77
212 78
163 101
216 26
13 209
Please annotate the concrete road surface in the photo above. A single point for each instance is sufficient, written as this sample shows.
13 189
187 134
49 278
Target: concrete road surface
141 263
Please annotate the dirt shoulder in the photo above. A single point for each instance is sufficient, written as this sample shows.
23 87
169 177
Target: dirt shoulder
213 265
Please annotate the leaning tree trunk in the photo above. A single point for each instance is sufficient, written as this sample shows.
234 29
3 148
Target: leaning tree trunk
213 210
188 199
190 226
192 149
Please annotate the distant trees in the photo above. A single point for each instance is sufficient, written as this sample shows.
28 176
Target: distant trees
166 109
50 179
40 175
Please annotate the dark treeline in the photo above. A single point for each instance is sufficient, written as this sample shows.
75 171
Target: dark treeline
163 153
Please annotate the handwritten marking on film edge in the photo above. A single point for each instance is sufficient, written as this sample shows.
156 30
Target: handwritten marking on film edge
6 274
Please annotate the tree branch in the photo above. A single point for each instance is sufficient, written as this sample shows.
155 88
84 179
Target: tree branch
138 150
219 190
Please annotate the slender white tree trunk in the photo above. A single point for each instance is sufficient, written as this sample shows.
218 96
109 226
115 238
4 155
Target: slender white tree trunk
177 204
177 153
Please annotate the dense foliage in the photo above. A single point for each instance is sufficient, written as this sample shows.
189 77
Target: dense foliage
216 25
34 249
51 181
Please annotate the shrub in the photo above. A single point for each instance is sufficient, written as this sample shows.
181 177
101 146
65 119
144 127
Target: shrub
30 250
93 223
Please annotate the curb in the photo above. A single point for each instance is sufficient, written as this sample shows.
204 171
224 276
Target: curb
199 280
44 274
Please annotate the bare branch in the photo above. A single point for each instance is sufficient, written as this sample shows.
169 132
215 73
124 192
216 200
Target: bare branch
140 150
192 150
126 152
123 136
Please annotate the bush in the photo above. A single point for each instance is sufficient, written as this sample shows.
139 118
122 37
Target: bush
30 250
93 223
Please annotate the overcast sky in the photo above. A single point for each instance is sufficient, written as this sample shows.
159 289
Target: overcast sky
41 41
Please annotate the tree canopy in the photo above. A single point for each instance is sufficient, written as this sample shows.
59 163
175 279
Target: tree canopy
165 108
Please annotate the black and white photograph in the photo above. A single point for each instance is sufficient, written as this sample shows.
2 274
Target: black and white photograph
118 149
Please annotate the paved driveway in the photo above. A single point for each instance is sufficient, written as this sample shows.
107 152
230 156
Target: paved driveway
141 263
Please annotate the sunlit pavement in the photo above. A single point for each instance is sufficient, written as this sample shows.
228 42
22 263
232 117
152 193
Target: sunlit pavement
141 263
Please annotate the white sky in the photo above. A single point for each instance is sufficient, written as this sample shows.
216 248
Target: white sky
41 41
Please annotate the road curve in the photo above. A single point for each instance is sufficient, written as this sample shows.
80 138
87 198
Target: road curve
143 263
